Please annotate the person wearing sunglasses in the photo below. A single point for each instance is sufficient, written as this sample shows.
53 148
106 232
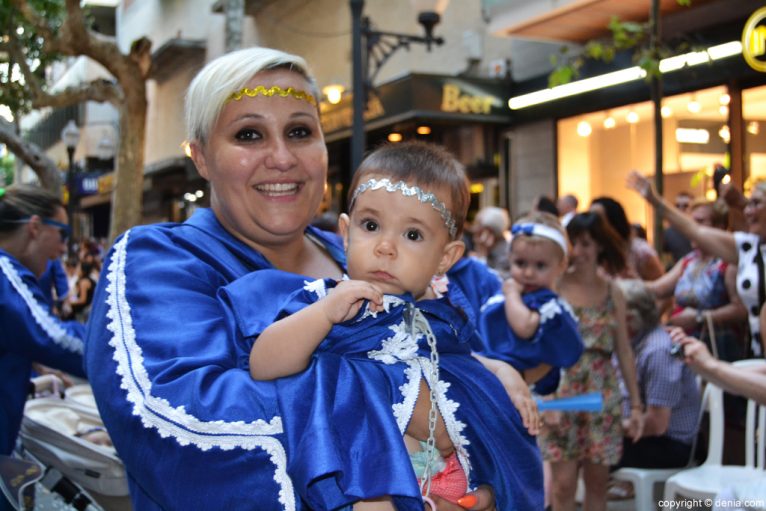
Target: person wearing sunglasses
33 230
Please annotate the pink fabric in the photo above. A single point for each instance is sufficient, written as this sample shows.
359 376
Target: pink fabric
451 483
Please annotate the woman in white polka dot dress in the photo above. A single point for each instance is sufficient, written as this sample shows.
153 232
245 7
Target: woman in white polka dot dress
745 249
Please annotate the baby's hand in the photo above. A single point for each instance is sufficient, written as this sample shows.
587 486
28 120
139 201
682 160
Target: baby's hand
343 302
510 286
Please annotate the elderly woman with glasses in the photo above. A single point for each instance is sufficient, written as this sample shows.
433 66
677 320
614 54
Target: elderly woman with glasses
745 249
33 230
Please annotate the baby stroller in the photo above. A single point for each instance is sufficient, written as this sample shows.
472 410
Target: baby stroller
66 438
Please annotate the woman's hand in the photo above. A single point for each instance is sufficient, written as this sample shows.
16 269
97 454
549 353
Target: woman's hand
483 499
639 183
634 426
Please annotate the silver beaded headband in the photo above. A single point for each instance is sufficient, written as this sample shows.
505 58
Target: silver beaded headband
409 191
543 231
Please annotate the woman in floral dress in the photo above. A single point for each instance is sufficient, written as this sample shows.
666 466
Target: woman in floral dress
592 441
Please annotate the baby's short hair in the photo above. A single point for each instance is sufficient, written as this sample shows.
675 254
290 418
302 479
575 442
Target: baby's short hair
424 164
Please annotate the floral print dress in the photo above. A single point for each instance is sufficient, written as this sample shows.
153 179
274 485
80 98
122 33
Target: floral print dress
591 437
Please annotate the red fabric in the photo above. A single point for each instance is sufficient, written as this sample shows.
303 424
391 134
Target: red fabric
451 483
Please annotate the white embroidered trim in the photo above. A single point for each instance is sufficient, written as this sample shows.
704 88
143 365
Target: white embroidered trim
565 305
42 317
317 287
175 422
402 347
389 301
410 389
447 408
492 300
549 310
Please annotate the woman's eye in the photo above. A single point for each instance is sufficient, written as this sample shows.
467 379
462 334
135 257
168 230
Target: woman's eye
369 225
299 132
247 134
413 235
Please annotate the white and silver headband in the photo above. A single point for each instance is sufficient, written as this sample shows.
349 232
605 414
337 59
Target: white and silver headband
409 191
543 231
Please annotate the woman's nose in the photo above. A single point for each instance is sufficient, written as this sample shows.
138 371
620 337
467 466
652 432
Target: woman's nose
281 156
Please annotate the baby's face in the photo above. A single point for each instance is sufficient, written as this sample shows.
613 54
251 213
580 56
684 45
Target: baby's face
535 263
396 242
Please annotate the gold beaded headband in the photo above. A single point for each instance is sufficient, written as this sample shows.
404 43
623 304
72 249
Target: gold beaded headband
260 90
409 191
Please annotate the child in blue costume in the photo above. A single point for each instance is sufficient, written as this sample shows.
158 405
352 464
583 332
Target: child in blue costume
369 357
530 327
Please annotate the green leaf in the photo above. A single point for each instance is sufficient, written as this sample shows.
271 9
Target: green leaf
560 76
696 179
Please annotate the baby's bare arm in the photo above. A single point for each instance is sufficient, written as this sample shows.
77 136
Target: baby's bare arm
285 347
522 320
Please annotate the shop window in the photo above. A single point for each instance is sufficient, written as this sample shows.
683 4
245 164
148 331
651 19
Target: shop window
596 151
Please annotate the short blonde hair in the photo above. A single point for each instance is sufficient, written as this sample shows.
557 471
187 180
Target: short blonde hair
229 73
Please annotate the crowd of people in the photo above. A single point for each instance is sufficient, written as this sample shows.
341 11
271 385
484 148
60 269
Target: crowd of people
261 353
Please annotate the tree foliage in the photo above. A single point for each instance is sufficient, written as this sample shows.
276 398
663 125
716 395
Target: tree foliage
624 35
36 33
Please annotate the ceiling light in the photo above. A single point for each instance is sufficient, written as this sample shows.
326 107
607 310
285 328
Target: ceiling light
584 129
395 137
724 99
694 106
720 51
333 93
724 133
692 136
753 127
423 130
723 110
609 123
666 112
632 117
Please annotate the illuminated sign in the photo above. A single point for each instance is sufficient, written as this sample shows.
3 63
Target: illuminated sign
454 101
754 40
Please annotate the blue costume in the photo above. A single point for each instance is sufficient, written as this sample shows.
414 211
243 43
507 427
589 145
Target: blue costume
344 416
556 341
474 284
168 363
54 277
28 333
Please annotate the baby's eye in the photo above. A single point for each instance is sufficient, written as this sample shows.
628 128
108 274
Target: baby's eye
370 225
541 266
413 235
247 134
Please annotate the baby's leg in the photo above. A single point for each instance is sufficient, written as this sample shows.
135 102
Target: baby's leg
381 504
418 426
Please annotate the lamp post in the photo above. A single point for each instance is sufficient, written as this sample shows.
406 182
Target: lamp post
70 136
373 48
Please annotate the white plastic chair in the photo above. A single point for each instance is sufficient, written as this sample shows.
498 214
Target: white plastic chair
710 478
644 479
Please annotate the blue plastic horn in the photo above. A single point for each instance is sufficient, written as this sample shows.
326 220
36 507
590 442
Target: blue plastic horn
591 402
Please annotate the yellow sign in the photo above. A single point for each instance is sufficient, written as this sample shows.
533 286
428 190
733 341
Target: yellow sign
454 101
754 40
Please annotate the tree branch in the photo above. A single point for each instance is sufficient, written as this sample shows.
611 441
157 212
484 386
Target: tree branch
45 168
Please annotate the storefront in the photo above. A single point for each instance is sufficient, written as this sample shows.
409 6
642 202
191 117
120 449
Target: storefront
713 117
466 115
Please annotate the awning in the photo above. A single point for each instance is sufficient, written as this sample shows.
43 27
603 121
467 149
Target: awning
581 20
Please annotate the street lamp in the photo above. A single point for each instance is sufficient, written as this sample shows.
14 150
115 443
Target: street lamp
105 147
373 48
70 136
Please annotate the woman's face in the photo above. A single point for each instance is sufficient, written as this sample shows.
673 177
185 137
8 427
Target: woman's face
584 252
755 212
266 161
47 243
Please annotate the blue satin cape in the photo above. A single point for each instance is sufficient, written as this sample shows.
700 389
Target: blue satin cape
556 342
